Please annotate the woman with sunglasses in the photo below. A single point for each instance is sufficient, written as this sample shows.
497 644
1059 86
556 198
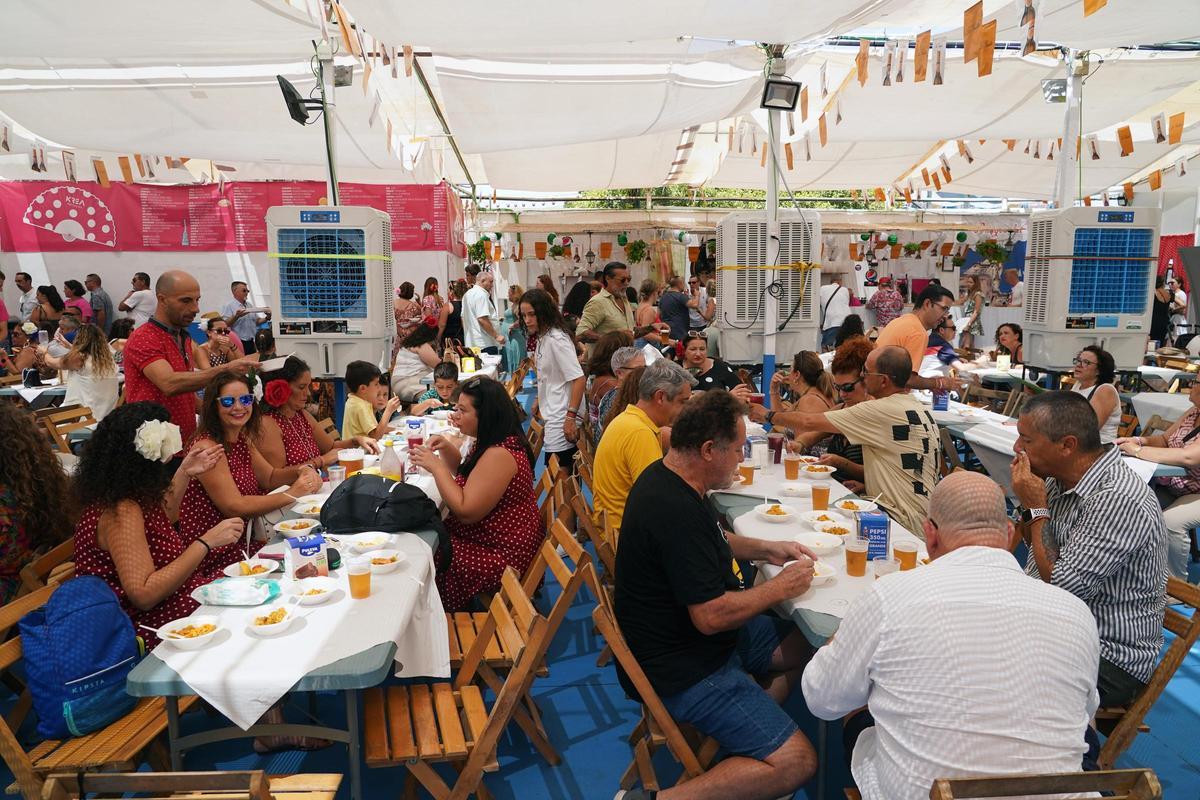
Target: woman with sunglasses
711 373
940 355
849 361
218 350
237 485
1094 373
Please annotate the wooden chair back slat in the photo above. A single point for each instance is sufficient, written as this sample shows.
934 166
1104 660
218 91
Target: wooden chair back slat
34 575
1130 784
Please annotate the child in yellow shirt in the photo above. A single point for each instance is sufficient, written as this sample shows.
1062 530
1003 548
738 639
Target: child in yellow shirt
368 394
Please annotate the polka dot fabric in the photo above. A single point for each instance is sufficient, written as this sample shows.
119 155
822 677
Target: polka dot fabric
73 214
147 344
299 444
508 536
165 544
198 514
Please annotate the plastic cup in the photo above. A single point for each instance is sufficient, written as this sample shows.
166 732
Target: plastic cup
352 459
820 495
359 573
791 466
775 445
884 566
337 474
746 470
905 553
758 398
856 557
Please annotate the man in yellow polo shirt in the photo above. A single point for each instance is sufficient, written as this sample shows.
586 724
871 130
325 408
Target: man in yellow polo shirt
631 441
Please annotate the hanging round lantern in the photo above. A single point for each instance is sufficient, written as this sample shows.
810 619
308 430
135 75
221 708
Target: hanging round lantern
682 236
622 239
961 236
865 237
550 239
566 241
893 238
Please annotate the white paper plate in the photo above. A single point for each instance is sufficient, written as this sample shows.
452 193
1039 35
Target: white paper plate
820 543
814 517
196 642
859 505
235 570
788 515
796 489
295 527
824 473
327 587
823 571
383 569
366 542
305 505
832 528
274 629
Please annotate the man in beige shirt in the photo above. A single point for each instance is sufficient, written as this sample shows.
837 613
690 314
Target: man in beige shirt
899 437
609 310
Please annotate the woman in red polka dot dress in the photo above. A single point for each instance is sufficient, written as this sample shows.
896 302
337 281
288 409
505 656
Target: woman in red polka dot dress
290 435
125 534
493 521
235 486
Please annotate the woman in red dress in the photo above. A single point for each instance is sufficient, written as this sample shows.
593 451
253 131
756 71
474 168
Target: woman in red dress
126 533
235 486
493 520
290 435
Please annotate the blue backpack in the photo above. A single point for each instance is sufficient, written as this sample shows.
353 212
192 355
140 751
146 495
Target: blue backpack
79 648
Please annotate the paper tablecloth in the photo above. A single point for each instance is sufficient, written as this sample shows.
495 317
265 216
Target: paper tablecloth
243 675
1168 406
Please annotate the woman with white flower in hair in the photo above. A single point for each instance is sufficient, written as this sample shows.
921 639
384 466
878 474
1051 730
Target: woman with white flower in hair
126 534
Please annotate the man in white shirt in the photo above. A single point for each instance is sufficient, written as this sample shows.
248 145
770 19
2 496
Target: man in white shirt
141 302
27 302
479 315
835 307
1178 305
1016 295
241 320
964 667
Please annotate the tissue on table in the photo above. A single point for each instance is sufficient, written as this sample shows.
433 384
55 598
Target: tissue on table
236 592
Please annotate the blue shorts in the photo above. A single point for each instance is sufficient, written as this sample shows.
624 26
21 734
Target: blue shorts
729 706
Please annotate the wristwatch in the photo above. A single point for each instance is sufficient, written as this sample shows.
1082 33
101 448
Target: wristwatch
1029 515
770 416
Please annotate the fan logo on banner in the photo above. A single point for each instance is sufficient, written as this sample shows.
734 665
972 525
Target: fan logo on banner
73 214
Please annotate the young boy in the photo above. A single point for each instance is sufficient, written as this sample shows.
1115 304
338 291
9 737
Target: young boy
440 397
367 395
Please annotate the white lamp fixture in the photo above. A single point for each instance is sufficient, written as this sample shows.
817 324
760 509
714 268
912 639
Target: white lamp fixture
1054 90
780 94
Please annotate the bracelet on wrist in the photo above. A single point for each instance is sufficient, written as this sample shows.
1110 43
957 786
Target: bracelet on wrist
207 547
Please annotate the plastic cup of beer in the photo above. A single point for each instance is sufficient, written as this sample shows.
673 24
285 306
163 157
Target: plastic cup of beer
791 466
358 570
820 495
905 553
746 470
856 557
884 566
352 459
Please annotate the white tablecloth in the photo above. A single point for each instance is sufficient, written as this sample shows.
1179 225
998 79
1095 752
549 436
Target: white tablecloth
243 675
1168 406
835 596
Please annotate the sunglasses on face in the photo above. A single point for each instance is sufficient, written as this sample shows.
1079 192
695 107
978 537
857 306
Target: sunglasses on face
219 330
697 334
847 388
245 400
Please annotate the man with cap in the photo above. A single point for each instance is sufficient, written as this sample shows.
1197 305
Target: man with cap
966 667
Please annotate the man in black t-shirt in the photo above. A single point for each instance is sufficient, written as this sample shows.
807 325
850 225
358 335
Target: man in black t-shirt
716 660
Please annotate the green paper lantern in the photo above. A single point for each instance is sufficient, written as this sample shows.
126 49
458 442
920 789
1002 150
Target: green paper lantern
550 239
866 237
893 238
961 236
622 239
682 235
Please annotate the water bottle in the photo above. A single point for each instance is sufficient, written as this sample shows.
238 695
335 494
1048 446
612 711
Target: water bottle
43 338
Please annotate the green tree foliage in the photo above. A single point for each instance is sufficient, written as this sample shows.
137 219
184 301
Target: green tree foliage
713 198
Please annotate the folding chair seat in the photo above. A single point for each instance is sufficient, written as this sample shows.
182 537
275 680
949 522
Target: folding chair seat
1125 784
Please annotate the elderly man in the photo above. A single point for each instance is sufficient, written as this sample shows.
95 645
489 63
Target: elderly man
1096 531
27 302
239 316
716 660
899 437
911 331
159 356
631 442
921 651
102 304
1016 291
480 328
609 310
673 308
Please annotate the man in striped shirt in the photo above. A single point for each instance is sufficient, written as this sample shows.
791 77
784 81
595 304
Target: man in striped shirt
1096 531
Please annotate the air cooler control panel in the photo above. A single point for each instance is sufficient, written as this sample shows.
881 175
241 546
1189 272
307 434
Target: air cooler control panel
325 326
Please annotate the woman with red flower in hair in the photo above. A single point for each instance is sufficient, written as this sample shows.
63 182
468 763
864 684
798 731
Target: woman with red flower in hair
415 357
290 435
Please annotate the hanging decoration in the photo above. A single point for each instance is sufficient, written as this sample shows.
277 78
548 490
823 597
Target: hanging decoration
939 61
987 49
861 60
1158 124
551 237
901 55
1175 128
972 22
622 238
1029 21
1092 6
921 56
960 237
889 58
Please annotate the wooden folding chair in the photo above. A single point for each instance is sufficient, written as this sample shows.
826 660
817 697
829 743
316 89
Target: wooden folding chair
419 725
328 426
596 534
537 437
950 459
978 396
1127 425
250 784
118 746
59 424
1016 399
50 567
656 728
1123 724
1123 784
1156 425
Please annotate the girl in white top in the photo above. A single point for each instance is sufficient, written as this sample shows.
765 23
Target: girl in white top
560 377
92 372
1095 370
415 358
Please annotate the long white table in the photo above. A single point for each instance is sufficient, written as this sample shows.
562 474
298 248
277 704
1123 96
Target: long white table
1168 406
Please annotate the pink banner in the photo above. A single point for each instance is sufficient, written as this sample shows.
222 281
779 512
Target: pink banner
45 216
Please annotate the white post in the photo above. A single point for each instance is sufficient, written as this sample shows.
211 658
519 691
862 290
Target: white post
329 118
771 304
1065 184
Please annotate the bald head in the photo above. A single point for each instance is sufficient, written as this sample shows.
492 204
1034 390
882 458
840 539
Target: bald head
966 509
178 298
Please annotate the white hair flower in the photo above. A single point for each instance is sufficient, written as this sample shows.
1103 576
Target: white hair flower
156 440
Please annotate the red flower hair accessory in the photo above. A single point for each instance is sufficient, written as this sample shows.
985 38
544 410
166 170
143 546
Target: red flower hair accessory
277 392
430 321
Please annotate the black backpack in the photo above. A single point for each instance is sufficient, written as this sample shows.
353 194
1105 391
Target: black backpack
374 503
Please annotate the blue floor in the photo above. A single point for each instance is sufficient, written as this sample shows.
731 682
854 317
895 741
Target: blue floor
588 716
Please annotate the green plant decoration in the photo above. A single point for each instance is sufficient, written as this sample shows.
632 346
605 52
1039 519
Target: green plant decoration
477 253
556 251
958 261
991 251
912 249
636 251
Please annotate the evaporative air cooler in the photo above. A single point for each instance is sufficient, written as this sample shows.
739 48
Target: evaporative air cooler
331 270
1089 276
742 282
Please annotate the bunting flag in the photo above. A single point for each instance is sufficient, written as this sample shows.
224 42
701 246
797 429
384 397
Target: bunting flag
1087 200
1037 148
151 163
69 165
1181 168
1050 152
1009 143
964 150
730 149
901 56
4 139
860 61
945 162
822 130
804 104
879 195
791 120
921 56
33 160
1092 6
937 182
408 61
837 111
348 37
101 172
374 115
987 48
126 169
972 22
946 174
889 57
366 79
925 175
808 145
787 154
1175 129
141 165
763 161
907 194
1155 180
824 80
1128 190
1093 146
395 64
1125 137
1029 21
1158 124
939 62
